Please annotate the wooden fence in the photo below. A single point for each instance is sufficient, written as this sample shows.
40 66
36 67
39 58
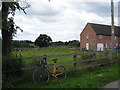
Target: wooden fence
74 62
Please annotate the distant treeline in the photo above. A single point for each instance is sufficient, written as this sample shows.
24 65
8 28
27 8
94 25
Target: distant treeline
73 43
30 44
22 44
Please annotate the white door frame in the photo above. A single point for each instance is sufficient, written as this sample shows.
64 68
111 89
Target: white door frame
100 47
87 46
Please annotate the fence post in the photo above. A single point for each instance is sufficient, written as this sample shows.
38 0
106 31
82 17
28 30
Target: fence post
116 55
45 57
75 62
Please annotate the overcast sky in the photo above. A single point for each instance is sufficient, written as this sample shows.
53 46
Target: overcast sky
62 20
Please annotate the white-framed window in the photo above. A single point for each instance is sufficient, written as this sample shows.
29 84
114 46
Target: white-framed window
87 36
111 45
100 36
106 45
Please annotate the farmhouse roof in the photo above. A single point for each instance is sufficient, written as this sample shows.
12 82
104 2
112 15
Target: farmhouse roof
101 29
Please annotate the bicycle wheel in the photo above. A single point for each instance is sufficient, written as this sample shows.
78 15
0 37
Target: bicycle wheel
41 75
63 70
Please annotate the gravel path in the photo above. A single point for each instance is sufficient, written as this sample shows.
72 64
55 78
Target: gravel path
115 84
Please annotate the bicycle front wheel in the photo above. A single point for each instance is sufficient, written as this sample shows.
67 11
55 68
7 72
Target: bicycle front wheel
41 75
63 74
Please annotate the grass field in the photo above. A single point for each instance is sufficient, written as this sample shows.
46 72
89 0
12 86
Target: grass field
51 51
48 51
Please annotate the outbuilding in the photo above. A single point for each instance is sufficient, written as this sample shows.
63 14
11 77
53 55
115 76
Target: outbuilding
98 37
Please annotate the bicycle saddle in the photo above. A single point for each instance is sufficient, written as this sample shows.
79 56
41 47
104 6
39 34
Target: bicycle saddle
55 60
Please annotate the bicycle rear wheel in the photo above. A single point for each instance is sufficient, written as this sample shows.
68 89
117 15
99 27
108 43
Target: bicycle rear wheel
41 75
63 71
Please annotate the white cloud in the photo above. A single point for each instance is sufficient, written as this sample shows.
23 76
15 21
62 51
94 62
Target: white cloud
59 19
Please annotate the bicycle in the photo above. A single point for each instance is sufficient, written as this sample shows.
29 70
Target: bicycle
43 75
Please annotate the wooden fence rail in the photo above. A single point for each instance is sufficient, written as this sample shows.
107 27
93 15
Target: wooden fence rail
91 53
75 61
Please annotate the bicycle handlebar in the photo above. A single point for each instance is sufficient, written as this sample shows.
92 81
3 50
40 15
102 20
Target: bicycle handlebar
43 62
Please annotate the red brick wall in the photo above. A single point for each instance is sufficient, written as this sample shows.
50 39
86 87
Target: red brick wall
92 37
119 41
107 39
104 40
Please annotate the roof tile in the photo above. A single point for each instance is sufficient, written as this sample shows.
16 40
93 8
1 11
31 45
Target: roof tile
101 29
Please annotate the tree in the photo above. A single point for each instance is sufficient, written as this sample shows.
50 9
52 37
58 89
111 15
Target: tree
74 43
9 28
58 43
43 40
21 44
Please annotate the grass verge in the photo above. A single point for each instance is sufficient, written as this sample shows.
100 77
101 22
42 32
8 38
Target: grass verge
90 78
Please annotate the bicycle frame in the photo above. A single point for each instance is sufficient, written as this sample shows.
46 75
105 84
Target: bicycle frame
43 72
54 69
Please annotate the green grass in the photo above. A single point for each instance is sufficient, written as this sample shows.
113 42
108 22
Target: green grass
48 51
52 51
90 78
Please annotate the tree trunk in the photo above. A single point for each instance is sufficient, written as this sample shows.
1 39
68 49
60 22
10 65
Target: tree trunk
6 36
6 42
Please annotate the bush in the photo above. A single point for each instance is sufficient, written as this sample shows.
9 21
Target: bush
90 56
11 66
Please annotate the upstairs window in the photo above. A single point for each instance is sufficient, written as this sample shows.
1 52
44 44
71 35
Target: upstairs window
87 36
100 37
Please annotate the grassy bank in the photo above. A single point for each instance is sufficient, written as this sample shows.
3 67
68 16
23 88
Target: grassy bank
90 78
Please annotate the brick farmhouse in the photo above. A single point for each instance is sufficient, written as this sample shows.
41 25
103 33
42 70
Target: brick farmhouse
98 37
